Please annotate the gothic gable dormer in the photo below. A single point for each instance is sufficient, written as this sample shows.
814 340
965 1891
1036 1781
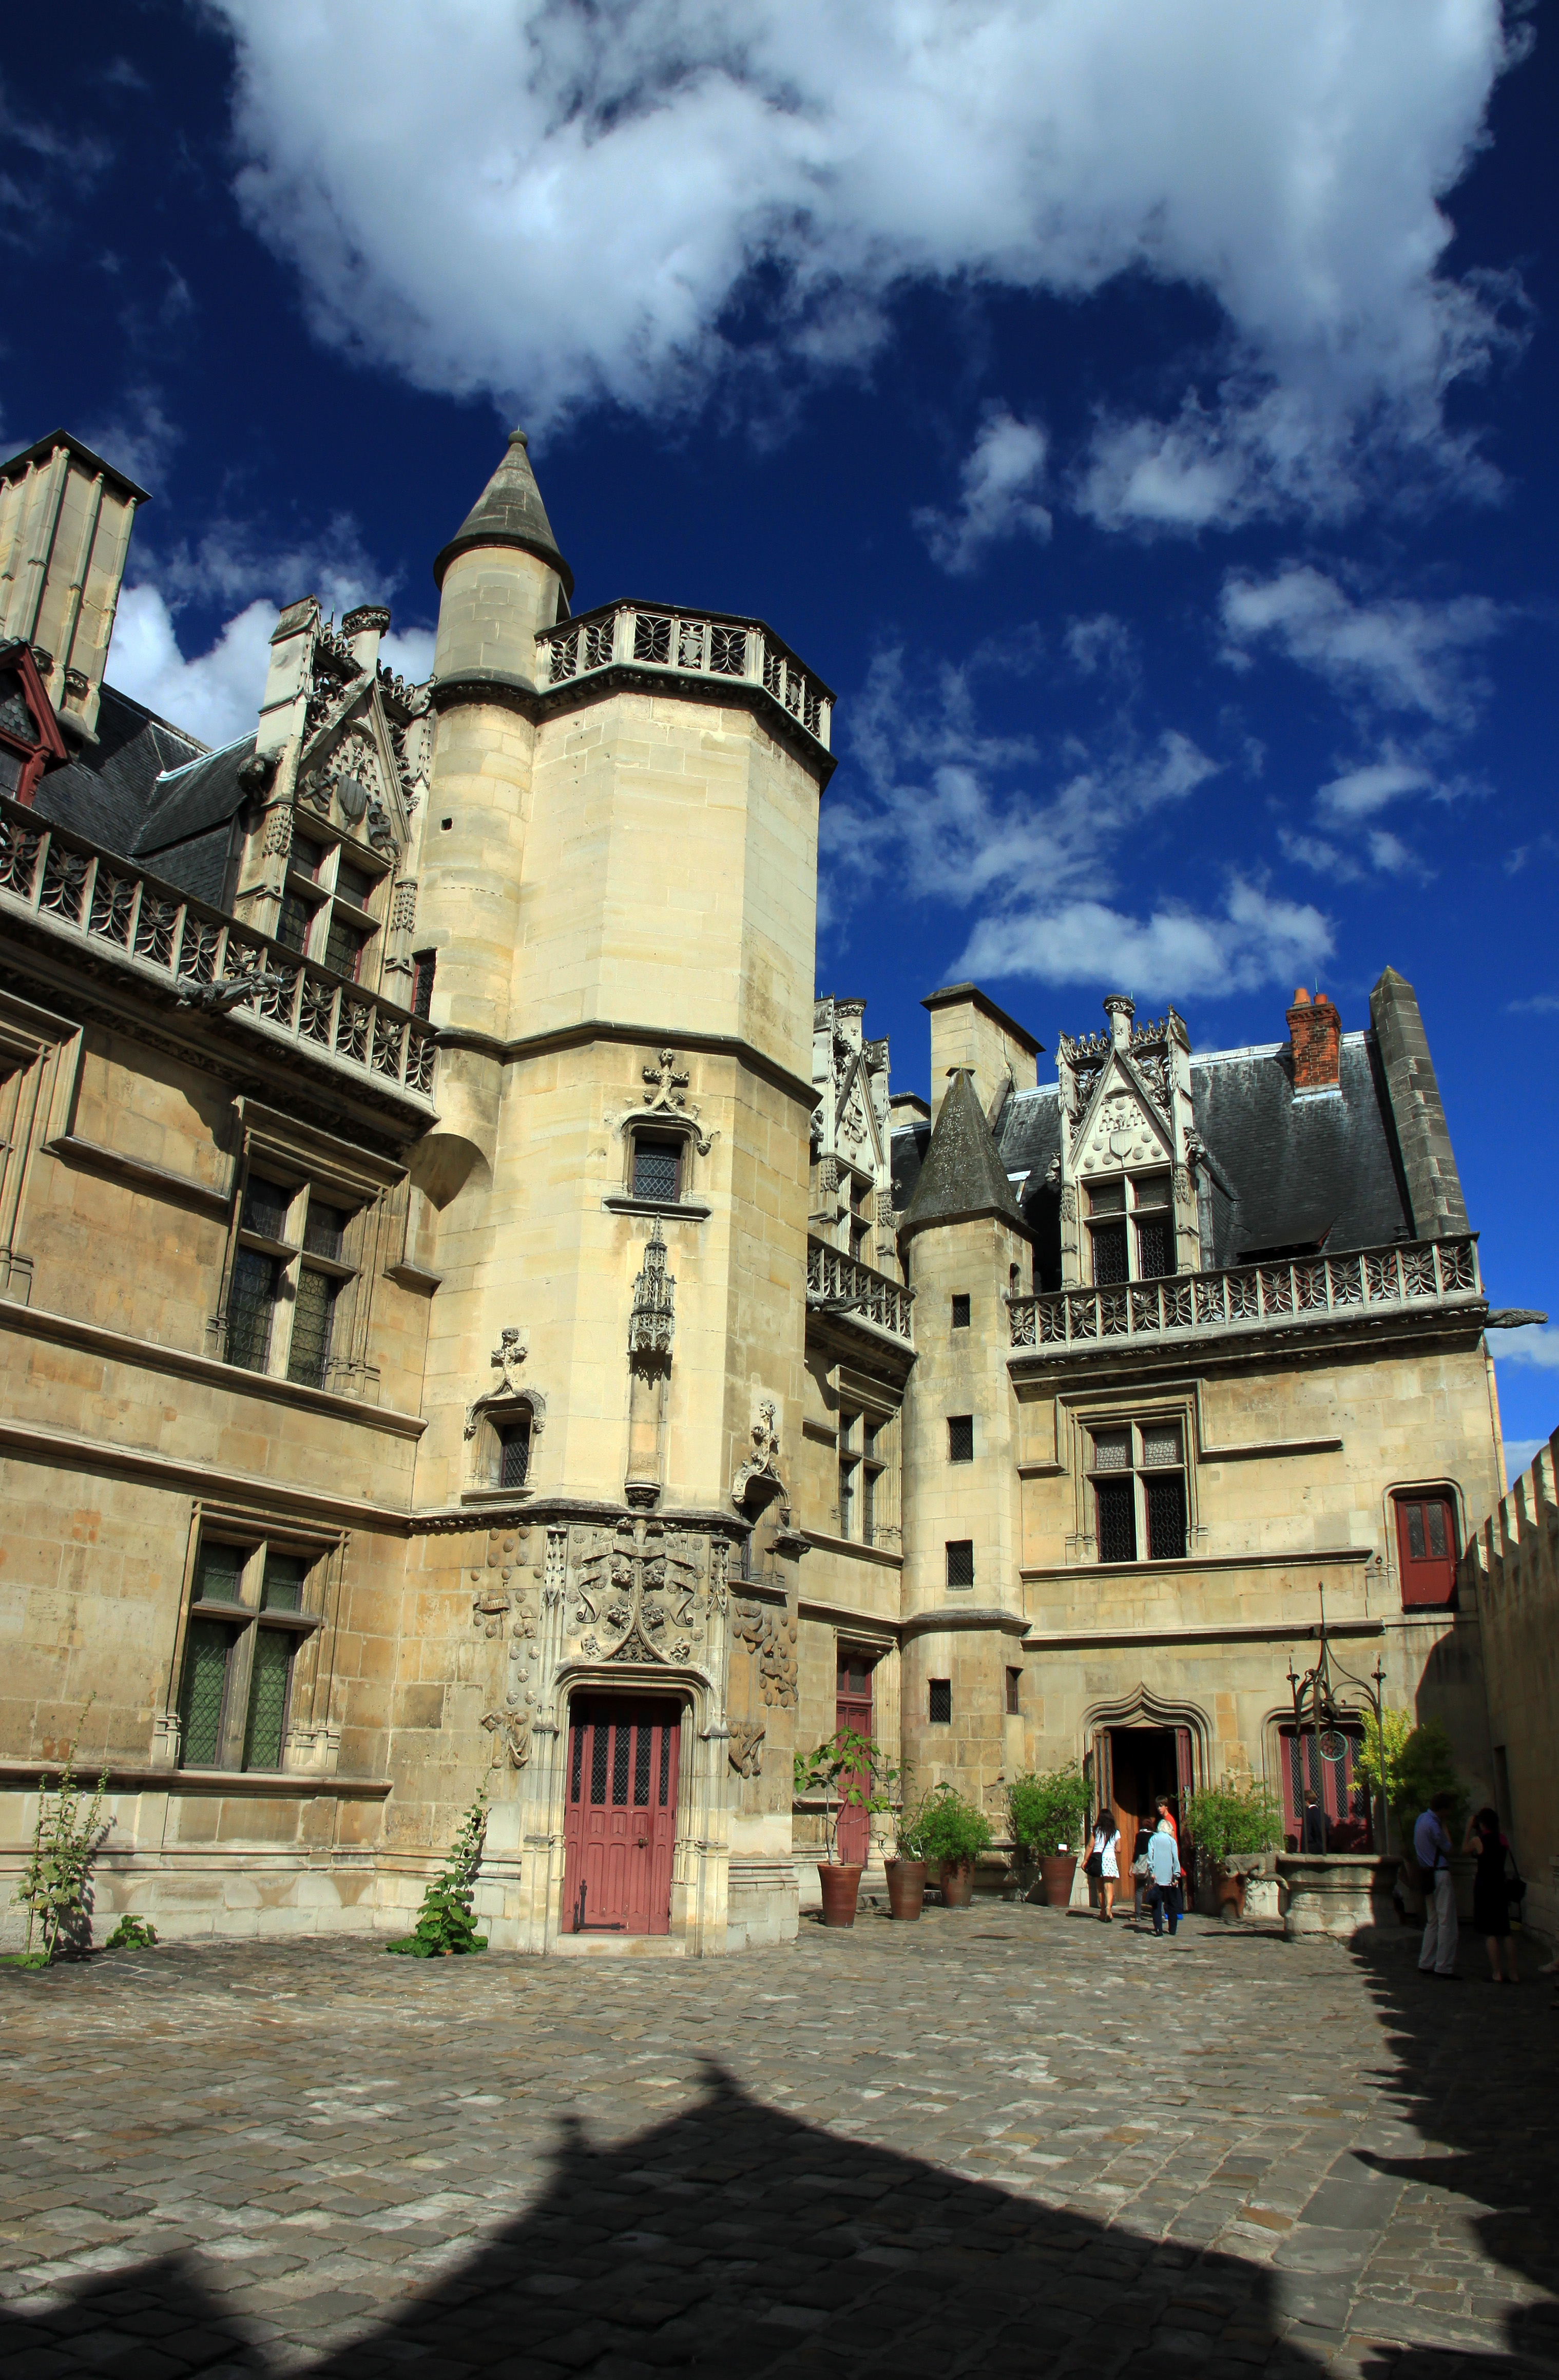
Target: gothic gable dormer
850 1134
1126 1106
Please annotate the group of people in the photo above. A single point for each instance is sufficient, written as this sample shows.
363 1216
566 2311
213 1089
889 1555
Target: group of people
1495 1886
1162 1873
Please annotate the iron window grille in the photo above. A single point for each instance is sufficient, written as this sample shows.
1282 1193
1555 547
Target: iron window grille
658 1164
1130 1229
514 1451
249 1616
424 968
960 1437
960 1309
939 1701
961 1561
1136 1472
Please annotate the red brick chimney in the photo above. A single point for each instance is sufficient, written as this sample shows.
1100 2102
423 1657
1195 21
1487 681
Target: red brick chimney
1316 1031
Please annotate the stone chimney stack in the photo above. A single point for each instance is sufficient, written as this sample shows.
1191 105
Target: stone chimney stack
362 630
1315 1029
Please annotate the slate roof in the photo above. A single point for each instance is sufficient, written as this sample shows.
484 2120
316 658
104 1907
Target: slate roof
1286 1172
962 1173
192 800
508 512
105 792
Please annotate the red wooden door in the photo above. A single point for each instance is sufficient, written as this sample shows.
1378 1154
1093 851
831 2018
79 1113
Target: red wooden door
620 1818
853 1707
1426 1548
1332 1775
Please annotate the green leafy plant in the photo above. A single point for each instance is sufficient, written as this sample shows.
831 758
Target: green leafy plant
852 1773
1379 1762
56 1888
446 1928
1225 1824
1426 1765
952 1831
1048 1813
131 1933
909 1830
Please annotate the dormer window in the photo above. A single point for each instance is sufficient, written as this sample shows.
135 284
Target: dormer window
1130 1229
328 906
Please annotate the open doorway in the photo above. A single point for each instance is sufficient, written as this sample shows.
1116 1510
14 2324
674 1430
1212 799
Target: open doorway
1132 1765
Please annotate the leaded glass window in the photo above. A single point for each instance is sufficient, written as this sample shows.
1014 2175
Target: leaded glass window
251 1305
1167 1517
1115 1499
960 1437
282 1582
657 1167
204 1692
961 1561
268 1699
1138 1473
343 947
514 1453
308 1356
939 1701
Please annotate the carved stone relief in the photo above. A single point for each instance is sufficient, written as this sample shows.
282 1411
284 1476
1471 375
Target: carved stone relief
744 1749
504 1603
771 1637
640 1592
763 1463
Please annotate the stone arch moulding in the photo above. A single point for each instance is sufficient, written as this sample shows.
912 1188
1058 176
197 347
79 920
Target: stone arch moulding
1142 1707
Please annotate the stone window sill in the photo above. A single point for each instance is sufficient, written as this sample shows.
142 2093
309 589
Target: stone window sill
674 1210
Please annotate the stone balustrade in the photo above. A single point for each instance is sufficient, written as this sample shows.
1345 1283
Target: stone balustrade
113 910
1413 1274
838 1283
686 644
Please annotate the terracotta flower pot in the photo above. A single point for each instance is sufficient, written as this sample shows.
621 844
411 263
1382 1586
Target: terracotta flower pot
1055 1875
841 1887
1229 1892
906 1887
958 1883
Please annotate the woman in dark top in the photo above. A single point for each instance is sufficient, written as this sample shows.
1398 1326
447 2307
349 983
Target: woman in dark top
1490 1902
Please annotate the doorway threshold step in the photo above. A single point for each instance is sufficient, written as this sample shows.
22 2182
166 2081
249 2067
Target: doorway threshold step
620 1946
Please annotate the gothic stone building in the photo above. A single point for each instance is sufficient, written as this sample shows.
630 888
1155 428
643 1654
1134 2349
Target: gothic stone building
471 1317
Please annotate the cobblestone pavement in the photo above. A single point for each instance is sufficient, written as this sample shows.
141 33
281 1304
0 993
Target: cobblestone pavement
1001 2142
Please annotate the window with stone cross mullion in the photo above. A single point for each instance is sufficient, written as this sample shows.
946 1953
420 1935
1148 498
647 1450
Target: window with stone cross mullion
289 1270
1136 1478
1130 1228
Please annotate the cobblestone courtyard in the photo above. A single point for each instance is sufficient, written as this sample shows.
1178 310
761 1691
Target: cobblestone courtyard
1001 2142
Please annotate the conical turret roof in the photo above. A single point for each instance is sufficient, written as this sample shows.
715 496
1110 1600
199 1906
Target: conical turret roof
508 512
961 1175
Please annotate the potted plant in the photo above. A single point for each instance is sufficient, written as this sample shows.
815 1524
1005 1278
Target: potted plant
906 1870
1049 1817
1236 1831
852 1773
954 1833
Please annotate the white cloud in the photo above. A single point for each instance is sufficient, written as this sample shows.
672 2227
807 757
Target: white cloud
1030 842
1360 793
137 437
1520 1454
1103 642
1398 654
1542 1003
216 694
1536 1343
567 203
1000 485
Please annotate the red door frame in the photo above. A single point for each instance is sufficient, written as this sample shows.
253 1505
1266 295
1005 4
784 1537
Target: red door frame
620 1812
853 1707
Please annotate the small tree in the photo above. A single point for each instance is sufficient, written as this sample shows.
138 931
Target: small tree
1426 1765
1226 1825
1049 1813
56 1888
446 1928
853 1774
952 1831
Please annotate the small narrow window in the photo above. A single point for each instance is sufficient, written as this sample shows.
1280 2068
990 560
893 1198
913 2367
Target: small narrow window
204 1695
306 856
292 926
960 1437
265 1208
269 1679
313 1319
657 1166
252 1307
961 1561
1109 1254
1116 1502
424 966
960 1309
939 1701
220 1577
1166 1500
324 1231
1014 1694
343 947
514 1453
285 1578
355 885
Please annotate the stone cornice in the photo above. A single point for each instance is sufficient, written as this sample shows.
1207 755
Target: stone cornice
142 1776
644 1036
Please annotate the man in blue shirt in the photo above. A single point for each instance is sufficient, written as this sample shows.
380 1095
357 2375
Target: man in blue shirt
1431 1849
1164 1871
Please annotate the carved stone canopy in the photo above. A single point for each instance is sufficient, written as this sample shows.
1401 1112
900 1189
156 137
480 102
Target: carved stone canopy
652 1321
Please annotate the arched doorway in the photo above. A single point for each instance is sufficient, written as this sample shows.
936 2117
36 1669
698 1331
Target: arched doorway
1139 1749
619 1812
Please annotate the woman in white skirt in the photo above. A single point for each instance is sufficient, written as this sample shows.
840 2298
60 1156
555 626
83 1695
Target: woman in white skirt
1101 1861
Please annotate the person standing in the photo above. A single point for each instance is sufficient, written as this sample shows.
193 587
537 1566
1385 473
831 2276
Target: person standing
1490 1900
1102 1863
1163 1873
1312 1830
1431 1849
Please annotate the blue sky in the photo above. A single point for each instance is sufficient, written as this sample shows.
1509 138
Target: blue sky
1141 414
